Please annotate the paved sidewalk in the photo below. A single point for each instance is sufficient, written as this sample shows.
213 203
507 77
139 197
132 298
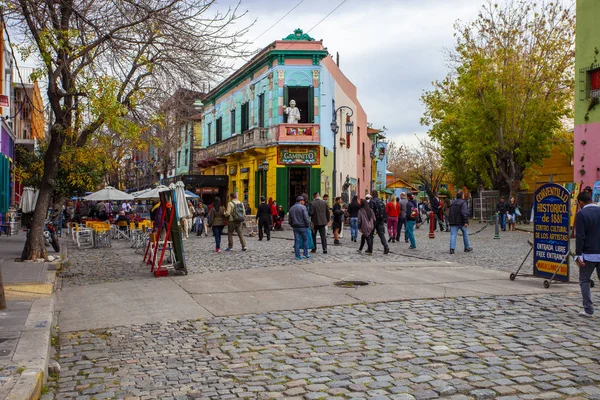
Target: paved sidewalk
25 323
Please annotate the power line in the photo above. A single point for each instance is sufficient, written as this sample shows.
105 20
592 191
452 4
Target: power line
278 21
324 18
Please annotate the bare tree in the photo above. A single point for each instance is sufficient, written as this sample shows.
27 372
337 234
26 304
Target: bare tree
420 165
103 57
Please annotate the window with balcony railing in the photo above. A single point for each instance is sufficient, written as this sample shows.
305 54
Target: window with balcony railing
232 122
261 110
245 117
219 129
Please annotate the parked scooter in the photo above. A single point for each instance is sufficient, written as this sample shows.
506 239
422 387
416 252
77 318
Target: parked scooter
50 235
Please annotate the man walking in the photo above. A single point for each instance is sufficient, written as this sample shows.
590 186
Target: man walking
380 219
320 219
587 248
502 209
263 216
298 219
459 219
435 208
402 218
236 215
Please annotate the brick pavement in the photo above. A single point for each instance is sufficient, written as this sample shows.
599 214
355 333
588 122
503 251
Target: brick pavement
120 263
518 347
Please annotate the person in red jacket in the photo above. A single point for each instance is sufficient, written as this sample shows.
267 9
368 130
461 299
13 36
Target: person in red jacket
392 209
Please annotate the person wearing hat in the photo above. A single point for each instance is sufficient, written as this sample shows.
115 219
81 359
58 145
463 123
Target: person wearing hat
263 216
412 213
320 218
298 219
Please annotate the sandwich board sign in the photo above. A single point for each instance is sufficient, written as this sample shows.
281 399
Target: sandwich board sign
551 232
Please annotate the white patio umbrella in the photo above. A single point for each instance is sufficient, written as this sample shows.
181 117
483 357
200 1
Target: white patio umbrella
109 193
140 192
182 208
153 193
28 200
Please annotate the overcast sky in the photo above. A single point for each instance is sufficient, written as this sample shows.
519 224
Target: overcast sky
390 49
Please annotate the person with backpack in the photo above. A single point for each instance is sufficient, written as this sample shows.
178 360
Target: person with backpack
412 214
300 223
392 209
378 208
236 215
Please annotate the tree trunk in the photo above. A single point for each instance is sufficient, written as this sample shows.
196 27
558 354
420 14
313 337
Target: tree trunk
34 246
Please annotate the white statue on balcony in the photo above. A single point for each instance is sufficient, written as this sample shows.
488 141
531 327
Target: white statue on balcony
292 112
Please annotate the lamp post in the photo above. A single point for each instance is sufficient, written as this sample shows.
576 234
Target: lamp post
335 129
264 167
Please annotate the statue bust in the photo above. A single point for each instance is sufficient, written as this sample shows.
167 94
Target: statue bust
292 112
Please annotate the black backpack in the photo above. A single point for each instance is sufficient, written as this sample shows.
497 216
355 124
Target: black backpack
380 213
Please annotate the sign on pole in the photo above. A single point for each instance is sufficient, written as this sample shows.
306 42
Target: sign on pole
551 232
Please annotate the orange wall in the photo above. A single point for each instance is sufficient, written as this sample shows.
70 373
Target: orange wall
558 165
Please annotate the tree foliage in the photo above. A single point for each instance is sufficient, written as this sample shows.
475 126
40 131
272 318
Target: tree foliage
102 58
510 85
419 165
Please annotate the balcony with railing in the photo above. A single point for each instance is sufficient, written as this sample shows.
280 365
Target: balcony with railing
257 138
298 133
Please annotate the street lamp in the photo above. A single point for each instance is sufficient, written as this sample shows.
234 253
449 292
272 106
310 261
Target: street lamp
335 128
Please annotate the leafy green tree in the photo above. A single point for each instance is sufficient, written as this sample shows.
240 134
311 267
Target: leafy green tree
102 58
510 86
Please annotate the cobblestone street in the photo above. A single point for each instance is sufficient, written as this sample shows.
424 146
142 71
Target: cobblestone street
504 347
522 347
119 262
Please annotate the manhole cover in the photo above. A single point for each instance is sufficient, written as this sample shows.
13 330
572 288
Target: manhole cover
350 284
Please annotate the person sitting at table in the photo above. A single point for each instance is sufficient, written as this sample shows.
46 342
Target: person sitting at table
122 221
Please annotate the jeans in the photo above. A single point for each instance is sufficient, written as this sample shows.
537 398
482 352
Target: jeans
237 228
410 231
354 227
585 274
217 231
392 225
454 231
502 218
322 232
401 222
300 234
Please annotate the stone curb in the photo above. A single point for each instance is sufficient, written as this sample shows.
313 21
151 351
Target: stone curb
33 349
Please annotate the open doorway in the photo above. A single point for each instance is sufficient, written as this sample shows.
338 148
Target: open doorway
301 94
298 178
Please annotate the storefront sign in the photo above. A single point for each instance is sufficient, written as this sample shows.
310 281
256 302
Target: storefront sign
242 170
551 232
299 131
209 190
3 101
298 155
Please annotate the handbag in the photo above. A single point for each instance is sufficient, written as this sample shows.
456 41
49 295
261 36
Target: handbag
517 212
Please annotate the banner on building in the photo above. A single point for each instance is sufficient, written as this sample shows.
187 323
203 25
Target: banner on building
4 101
551 232
296 155
299 131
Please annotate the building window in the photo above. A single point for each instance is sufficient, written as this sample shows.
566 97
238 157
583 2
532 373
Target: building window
208 131
178 158
261 110
185 132
232 122
219 129
364 161
304 96
245 117
185 160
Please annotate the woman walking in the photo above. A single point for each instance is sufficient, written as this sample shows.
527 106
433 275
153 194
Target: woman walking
366 225
511 215
392 209
216 218
353 209
338 217
412 213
